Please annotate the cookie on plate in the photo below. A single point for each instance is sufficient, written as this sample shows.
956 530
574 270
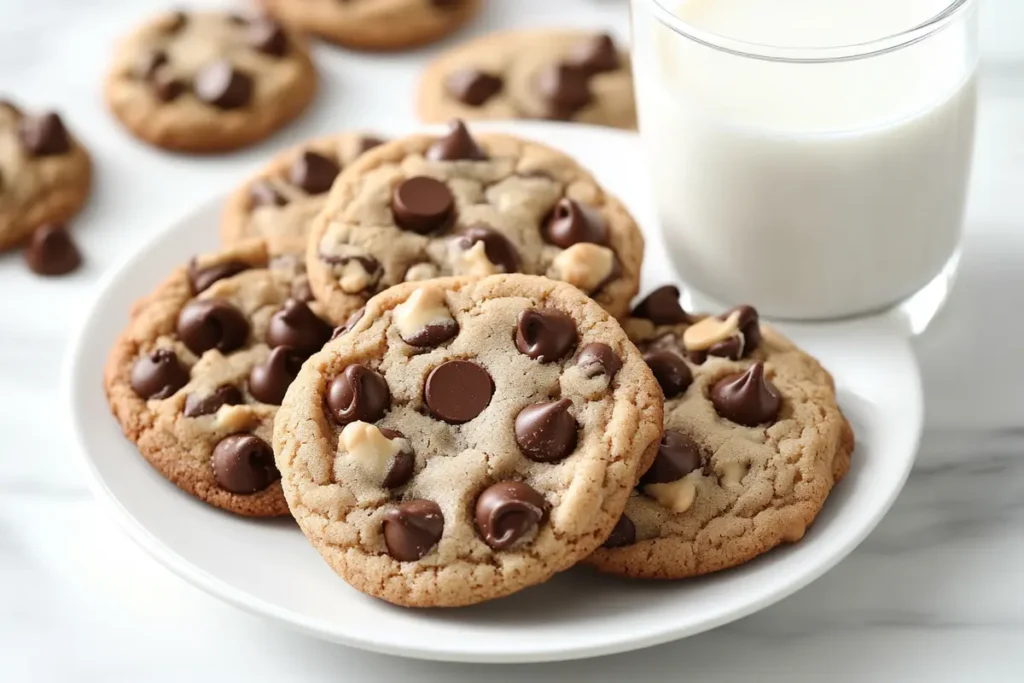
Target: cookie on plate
45 173
466 438
197 376
279 203
563 75
426 206
376 24
754 442
209 81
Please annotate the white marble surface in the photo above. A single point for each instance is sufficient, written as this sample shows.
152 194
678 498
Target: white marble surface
934 594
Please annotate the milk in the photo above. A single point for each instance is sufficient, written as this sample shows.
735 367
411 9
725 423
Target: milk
812 190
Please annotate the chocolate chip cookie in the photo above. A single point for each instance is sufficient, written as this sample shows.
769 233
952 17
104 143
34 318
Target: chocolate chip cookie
197 376
562 75
45 174
465 438
209 81
754 442
427 206
376 24
279 203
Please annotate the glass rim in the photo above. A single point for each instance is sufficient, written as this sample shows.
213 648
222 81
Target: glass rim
811 55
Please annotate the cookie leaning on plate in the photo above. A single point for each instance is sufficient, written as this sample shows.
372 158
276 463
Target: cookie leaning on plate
466 438
376 24
426 206
278 204
557 74
209 81
196 377
754 442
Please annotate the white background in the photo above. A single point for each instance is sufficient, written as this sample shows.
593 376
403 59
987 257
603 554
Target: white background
934 594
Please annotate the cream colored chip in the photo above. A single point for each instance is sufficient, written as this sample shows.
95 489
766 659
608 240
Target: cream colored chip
424 308
236 418
732 473
422 271
473 261
677 496
702 335
367 446
354 277
585 266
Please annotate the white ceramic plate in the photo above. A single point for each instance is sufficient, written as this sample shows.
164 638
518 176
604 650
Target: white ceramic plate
267 567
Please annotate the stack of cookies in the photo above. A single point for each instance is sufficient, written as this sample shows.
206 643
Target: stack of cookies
424 351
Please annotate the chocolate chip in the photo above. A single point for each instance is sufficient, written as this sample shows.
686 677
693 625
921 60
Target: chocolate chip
747 398
205 324
263 193
472 86
174 22
267 36
296 325
269 382
368 142
623 534
400 470
507 511
678 455
44 135
238 19
51 251
412 528
750 327
572 222
349 324
223 86
598 359
158 375
243 463
313 172
447 4
432 335
546 334
458 391
565 89
595 55
202 278
358 393
731 348
166 87
662 307
500 251
546 432
227 395
671 371
456 145
422 205
149 63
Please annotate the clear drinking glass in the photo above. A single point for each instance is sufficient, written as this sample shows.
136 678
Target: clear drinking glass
816 182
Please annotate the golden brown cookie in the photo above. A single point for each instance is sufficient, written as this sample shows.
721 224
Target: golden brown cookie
466 438
209 81
557 74
278 204
754 442
426 206
197 376
376 24
45 173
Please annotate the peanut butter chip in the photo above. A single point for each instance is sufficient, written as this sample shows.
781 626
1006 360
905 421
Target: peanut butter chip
702 335
354 277
474 262
586 266
732 473
424 310
677 496
236 418
794 531
369 448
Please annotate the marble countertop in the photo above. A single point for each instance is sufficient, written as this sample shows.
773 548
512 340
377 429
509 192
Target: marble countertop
933 594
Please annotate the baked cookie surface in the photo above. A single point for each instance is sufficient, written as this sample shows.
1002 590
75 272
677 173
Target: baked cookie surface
563 75
279 202
197 376
424 206
209 81
45 173
376 24
754 442
466 438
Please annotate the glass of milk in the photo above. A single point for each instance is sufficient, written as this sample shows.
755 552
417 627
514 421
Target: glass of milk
810 156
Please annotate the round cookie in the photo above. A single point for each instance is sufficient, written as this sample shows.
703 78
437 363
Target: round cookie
278 204
754 442
197 376
563 75
209 81
465 438
375 24
45 173
425 206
